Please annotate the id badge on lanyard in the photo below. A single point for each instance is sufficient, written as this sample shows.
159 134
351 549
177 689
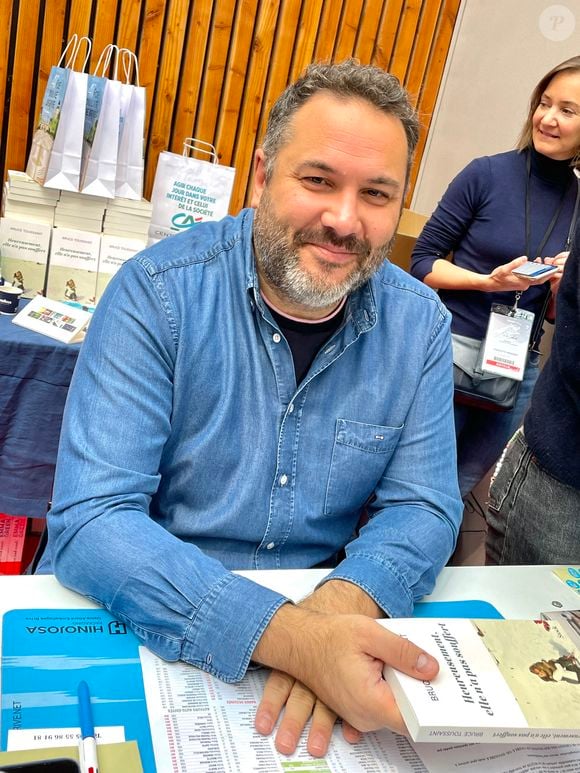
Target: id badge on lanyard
505 348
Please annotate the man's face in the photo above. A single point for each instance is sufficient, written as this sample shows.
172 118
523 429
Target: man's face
326 218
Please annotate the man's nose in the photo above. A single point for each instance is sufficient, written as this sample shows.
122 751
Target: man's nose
342 214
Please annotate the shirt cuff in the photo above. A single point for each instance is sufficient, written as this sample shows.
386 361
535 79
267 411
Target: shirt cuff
228 625
380 581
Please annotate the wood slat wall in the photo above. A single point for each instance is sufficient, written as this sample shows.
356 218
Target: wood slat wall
212 68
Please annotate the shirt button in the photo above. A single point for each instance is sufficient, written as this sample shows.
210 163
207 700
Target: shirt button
291 408
283 480
270 545
276 338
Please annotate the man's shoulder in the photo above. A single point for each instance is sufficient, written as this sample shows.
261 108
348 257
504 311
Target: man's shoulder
199 244
395 284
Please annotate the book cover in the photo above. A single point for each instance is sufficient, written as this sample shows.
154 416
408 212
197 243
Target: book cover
500 681
46 653
24 248
115 250
72 265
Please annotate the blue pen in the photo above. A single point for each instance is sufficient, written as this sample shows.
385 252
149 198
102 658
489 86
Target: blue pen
87 744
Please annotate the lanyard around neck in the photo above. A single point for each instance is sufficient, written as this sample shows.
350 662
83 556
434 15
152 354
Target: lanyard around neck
550 228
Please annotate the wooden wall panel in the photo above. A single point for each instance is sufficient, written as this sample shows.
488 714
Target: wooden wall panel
22 82
212 68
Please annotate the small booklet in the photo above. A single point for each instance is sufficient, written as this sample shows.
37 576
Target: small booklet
570 575
500 681
113 757
12 537
66 323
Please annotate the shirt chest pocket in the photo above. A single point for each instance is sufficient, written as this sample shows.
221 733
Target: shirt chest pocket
359 457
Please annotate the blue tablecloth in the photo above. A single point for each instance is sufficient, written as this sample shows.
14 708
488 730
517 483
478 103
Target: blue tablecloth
35 372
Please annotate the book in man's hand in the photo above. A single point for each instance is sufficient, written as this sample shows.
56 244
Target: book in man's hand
500 681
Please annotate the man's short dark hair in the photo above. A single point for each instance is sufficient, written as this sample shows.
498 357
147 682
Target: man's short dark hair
346 80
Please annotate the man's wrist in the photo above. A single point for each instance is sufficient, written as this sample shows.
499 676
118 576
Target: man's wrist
342 597
285 643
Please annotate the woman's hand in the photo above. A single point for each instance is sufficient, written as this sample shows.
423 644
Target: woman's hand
503 279
560 261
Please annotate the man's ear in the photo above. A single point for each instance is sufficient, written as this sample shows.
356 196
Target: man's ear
259 177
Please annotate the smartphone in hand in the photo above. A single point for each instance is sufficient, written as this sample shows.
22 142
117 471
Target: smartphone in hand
535 270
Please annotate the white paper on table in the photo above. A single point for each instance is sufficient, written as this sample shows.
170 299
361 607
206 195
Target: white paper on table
51 737
499 758
199 723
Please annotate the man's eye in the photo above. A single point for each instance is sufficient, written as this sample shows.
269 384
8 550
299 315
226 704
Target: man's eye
376 195
315 180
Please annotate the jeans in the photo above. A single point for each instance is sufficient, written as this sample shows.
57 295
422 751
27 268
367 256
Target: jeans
532 517
482 435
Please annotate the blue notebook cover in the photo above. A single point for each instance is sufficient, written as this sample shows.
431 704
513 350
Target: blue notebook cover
472 609
46 653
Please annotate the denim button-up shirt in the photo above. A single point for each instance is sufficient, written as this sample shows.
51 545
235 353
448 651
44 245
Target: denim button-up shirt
188 450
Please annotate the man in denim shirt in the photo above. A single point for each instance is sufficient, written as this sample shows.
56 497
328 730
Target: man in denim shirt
246 391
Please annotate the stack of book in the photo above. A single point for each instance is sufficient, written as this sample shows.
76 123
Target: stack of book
127 218
124 234
80 212
25 231
25 199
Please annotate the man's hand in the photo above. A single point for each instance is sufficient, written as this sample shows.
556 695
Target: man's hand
340 659
283 693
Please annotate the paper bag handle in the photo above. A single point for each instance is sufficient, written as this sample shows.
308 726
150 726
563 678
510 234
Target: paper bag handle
75 42
103 65
192 145
128 58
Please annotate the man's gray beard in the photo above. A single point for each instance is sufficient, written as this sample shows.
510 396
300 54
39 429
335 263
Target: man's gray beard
277 258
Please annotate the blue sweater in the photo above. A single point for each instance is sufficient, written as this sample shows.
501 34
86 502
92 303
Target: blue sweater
552 424
481 220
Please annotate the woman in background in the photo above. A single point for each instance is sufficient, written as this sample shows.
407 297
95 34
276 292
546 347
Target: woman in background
498 212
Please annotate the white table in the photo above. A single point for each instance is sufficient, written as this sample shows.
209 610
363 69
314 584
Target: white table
522 592
516 591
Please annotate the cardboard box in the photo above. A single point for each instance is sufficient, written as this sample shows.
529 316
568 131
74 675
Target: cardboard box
410 226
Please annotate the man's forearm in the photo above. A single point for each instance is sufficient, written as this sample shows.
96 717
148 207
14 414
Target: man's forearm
342 597
285 643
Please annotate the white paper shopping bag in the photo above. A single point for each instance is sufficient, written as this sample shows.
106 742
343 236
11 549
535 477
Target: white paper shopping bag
188 190
130 160
100 153
56 152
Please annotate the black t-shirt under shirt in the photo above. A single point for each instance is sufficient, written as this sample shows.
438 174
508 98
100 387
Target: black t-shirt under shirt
306 338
